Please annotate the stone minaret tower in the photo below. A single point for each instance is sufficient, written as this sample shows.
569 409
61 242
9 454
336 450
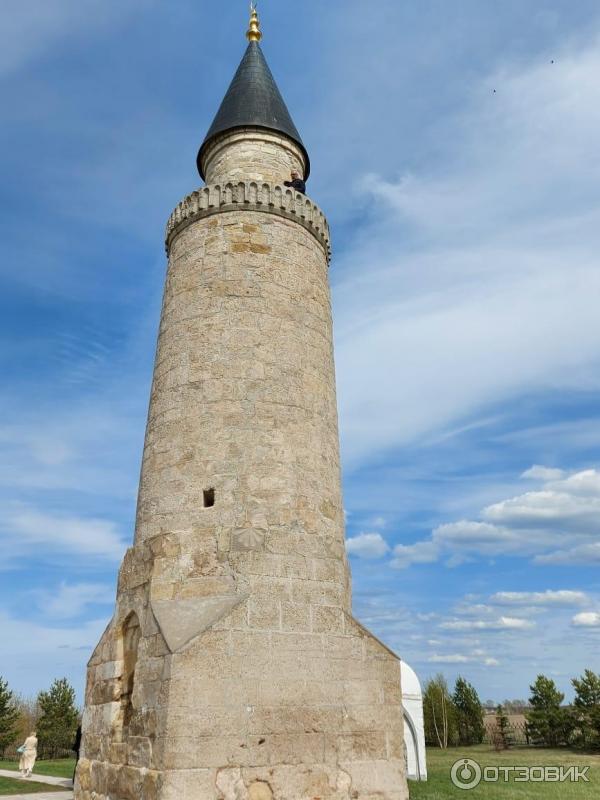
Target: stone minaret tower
233 668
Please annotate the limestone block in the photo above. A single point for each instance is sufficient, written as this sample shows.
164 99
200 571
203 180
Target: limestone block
363 746
295 617
181 620
98 777
109 670
189 784
140 751
230 785
118 752
327 619
260 790
264 613
303 782
372 780
209 721
151 785
124 782
84 774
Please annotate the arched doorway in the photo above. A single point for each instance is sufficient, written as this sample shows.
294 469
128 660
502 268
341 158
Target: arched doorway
130 639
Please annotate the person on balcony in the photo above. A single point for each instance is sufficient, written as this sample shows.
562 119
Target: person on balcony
296 183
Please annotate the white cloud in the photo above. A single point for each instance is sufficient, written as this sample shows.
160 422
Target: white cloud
467 538
33 654
27 533
367 545
539 473
493 294
503 623
587 554
562 597
546 507
474 609
585 484
456 658
72 600
476 657
419 553
560 524
25 638
587 619
428 617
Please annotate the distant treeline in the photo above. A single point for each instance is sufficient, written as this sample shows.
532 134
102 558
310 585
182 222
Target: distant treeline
52 714
461 719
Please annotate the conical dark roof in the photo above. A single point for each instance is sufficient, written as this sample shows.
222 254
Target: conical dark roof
253 100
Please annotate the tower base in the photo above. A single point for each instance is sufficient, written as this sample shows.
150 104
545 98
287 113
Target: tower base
242 714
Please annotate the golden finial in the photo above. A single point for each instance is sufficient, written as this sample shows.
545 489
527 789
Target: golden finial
254 34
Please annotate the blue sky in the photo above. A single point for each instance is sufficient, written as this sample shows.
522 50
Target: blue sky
454 149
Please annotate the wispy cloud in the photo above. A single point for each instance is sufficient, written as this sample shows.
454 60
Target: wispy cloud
27 533
540 473
582 554
367 545
461 658
563 597
69 601
559 524
501 624
587 619
481 280
34 653
82 446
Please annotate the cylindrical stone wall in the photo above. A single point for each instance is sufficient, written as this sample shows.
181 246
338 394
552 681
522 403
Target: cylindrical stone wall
232 668
243 406
252 154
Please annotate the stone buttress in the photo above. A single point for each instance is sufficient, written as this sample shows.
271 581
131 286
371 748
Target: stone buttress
233 668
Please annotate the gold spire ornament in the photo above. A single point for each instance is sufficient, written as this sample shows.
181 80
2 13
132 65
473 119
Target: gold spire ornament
254 34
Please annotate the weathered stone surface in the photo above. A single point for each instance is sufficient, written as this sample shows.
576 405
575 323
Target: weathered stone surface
260 790
232 668
268 198
182 619
252 154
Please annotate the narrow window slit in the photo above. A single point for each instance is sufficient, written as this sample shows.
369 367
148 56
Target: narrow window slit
209 498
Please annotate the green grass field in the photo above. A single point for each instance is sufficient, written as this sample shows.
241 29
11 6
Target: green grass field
60 768
440 787
10 786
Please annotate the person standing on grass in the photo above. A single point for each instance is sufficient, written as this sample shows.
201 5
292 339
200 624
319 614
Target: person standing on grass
28 755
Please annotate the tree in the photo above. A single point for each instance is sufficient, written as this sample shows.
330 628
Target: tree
439 713
29 713
9 716
587 709
502 734
515 706
59 718
547 722
469 713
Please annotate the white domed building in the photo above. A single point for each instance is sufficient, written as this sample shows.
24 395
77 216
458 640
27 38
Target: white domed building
414 729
